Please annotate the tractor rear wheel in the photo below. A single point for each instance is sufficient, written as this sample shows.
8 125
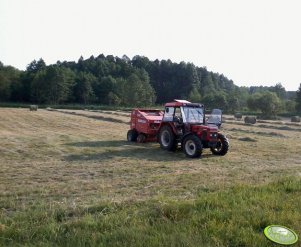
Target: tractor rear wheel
222 145
192 146
167 139
132 135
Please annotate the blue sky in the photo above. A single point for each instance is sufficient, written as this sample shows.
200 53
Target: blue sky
251 42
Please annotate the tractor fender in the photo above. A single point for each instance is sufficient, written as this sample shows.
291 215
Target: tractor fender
168 124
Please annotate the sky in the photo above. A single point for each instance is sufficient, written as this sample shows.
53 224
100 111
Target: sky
252 42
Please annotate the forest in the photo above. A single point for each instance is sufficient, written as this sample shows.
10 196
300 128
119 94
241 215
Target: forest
139 82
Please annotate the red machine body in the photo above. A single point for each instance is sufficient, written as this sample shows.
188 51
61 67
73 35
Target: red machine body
146 122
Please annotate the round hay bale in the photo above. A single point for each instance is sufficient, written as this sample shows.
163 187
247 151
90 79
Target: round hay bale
295 119
33 107
238 115
50 109
250 120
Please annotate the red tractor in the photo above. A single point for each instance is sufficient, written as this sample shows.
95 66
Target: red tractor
182 123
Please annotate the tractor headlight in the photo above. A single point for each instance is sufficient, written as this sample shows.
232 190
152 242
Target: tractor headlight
213 135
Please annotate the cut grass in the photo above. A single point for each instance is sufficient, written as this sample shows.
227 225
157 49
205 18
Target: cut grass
73 180
227 217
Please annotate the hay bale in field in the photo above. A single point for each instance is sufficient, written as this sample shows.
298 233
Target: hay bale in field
238 116
295 119
50 109
250 120
33 107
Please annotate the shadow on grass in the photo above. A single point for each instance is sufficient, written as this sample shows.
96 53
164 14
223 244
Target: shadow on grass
101 144
144 151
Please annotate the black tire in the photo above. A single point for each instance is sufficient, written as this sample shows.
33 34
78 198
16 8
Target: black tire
192 146
141 138
222 145
132 135
167 139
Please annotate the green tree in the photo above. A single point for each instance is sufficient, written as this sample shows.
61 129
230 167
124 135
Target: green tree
113 99
253 101
83 87
290 106
267 102
194 95
9 82
279 90
136 90
36 66
103 87
4 87
233 103
216 100
52 85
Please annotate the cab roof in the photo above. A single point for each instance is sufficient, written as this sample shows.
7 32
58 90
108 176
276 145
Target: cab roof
178 103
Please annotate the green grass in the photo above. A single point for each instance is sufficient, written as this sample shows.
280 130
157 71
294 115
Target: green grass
73 180
221 217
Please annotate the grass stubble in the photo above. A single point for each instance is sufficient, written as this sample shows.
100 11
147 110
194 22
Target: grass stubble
73 180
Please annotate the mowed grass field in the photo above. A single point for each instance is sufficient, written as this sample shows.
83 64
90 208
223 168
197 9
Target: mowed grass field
70 178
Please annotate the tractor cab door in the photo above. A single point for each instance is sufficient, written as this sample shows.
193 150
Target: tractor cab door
215 118
169 114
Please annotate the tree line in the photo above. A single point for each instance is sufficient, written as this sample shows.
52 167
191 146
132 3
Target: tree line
110 80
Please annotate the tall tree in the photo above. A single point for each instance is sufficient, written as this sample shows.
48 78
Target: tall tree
36 66
267 102
9 82
103 87
52 85
279 90
83 90
4 87
136 90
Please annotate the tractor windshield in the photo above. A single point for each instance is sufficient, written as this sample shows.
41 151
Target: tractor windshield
193 114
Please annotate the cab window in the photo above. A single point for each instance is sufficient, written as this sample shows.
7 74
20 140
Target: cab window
169 113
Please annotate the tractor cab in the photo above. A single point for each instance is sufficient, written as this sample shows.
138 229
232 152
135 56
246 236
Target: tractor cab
191 113
183 111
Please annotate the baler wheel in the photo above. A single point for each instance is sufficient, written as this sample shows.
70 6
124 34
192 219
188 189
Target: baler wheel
132 135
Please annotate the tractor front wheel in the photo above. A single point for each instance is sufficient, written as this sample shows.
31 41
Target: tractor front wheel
167 139
222 145
132 135
192 146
